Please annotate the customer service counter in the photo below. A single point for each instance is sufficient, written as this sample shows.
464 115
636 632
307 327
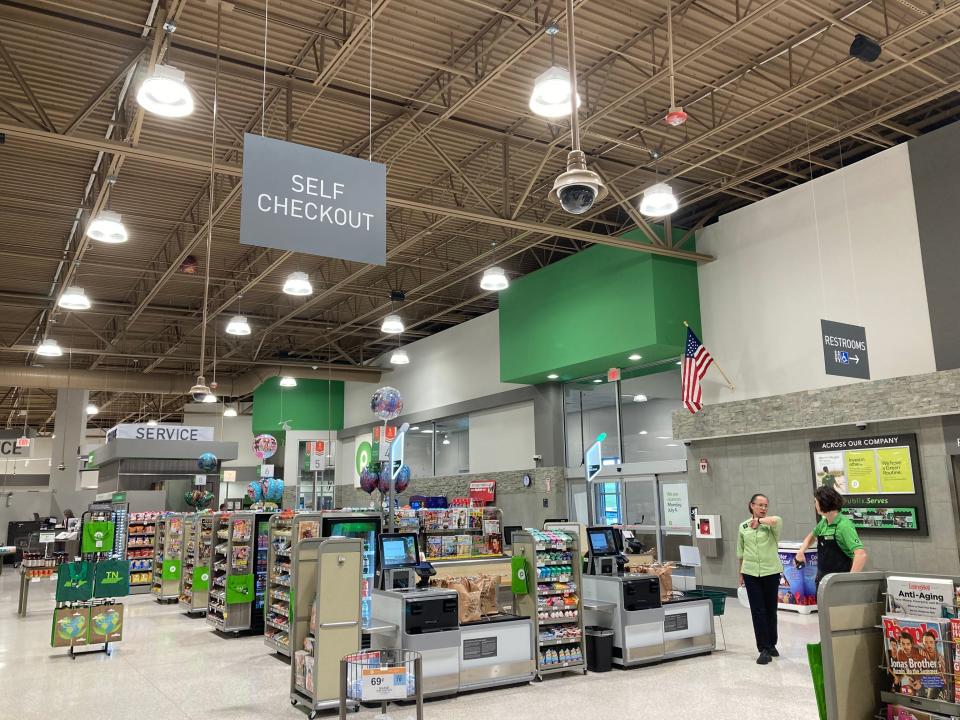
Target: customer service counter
645 628
497 650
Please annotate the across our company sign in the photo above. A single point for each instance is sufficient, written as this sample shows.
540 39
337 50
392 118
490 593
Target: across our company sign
142 431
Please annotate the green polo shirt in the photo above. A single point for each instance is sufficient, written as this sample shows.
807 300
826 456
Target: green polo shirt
758 548
842 530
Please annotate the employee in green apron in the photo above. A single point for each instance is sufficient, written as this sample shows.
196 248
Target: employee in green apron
760 569
839 548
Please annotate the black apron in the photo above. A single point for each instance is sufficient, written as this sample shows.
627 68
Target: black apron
831 558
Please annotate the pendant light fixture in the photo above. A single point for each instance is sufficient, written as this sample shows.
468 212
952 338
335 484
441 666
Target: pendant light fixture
107 227
74 298
288 381
659 201
49 348
92 409
152 423
298 283
209 398
675 115
578 188
399 357
494 278
229 411
165 93
446 440
238 325
200 391
392 324
551 90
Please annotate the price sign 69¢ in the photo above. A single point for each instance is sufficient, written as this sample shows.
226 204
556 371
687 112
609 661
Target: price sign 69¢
383 684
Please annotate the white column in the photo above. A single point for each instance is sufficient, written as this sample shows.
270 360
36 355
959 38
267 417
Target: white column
69 430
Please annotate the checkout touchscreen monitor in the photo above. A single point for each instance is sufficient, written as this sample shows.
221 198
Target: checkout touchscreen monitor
399 550
602 541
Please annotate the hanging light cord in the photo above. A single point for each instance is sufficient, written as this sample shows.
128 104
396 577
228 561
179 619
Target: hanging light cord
673 97
370 92
572 61
263 89
213 193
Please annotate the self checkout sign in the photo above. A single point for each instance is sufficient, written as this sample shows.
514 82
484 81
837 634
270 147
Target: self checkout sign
386 683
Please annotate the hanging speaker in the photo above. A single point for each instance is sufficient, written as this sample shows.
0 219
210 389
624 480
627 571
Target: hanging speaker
863 48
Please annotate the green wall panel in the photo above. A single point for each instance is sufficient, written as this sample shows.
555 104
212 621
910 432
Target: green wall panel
311 405
589 312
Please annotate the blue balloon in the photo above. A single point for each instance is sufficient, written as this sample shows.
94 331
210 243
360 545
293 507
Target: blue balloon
255 491
272 489
207 462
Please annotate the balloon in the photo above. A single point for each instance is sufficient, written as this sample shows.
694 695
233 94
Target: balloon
369 480
402 481
264 446
255 491
272 489
198 499
383 482
207 462
386 403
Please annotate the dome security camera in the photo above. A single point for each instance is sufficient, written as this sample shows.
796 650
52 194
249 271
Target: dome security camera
199 391
577 189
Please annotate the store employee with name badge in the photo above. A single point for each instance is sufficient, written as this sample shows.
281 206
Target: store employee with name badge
839 548
760 568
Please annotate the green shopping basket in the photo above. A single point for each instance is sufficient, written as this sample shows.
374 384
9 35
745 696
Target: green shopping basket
719 599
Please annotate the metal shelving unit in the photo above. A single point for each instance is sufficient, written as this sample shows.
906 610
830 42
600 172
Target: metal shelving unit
168 557
558 641
140 549
327 588
286 531
238 571
198 533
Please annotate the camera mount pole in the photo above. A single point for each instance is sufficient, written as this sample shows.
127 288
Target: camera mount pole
572 62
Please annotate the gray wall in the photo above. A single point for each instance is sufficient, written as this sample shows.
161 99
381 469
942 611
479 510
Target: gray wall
520 505
779 465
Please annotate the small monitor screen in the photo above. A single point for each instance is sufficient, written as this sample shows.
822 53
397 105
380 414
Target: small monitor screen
602 541
508 532
399 550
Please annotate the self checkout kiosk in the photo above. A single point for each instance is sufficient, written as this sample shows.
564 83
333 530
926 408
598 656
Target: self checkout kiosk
645 629
491 652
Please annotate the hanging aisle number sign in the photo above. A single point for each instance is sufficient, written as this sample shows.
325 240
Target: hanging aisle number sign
389 683
313 201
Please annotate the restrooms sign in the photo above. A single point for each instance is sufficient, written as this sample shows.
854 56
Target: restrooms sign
313 201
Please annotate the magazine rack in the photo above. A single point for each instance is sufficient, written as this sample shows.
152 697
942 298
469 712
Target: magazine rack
851 606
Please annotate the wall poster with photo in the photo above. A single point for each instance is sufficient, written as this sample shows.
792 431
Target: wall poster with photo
879 477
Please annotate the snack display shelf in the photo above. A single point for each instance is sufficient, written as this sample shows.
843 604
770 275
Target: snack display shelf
238 569
141 533
168 557
286 530
198 534
555 559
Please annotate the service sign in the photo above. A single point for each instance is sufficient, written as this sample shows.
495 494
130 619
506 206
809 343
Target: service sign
143 431
14 448
309 200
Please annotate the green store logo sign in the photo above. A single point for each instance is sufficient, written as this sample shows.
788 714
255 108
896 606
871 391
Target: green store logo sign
364 455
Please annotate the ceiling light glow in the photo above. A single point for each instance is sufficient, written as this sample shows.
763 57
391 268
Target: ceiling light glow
165 93
659 201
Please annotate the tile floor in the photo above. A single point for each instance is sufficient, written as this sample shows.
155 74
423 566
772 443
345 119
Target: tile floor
172 667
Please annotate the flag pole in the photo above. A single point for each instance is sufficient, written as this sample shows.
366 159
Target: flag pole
716 365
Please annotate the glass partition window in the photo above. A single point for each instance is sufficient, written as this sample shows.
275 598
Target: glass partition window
608 503
451 439
590 408
647 404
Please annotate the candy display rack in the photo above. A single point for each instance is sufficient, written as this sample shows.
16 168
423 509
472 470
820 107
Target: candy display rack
238 571
197 533
168 557
141 546
553 602
286 530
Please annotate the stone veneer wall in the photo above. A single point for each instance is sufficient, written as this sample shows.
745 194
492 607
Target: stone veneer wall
779 465
915 396
520 505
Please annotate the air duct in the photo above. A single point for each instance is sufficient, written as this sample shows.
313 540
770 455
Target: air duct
165 384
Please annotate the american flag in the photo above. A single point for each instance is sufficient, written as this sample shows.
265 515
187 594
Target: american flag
696 361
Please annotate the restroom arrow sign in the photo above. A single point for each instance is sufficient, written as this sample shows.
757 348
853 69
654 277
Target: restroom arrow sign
845 351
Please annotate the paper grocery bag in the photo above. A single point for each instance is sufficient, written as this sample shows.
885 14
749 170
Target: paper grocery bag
665 573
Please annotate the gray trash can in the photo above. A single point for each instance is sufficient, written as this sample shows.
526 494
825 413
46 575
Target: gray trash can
599 648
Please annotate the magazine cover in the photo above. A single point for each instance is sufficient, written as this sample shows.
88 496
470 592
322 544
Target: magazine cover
898 712
924 597
919 656
955 636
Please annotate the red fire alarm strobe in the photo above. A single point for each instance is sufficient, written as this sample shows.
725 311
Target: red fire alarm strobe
704 465
23 442
613 374
676 117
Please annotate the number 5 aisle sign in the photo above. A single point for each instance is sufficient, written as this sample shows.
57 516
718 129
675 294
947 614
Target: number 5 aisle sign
383 684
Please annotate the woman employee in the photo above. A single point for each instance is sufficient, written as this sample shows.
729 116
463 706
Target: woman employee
838 545
760 569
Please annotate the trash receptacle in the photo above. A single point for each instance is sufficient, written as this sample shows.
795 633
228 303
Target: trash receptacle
599 648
